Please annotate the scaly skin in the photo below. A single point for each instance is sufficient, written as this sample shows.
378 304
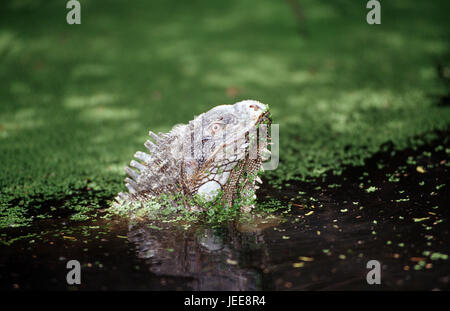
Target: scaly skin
219 152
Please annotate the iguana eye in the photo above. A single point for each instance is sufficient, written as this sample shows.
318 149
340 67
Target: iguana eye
216 127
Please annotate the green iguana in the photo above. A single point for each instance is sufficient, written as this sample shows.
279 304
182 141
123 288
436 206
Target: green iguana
216 157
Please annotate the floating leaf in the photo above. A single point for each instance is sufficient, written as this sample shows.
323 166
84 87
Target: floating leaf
231 261
371 189
420 169
69 238
436 256
420 219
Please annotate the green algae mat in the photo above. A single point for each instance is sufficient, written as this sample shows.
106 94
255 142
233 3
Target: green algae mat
76 101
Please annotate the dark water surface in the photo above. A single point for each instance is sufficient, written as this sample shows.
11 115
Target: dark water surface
394 210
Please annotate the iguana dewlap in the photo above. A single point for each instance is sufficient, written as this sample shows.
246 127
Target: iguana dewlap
218 154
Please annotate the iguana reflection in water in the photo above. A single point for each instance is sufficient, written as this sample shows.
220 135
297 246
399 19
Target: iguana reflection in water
225 259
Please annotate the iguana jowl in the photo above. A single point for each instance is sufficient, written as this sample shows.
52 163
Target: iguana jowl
219 152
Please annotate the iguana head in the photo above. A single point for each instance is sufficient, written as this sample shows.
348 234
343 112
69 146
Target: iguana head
228 141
